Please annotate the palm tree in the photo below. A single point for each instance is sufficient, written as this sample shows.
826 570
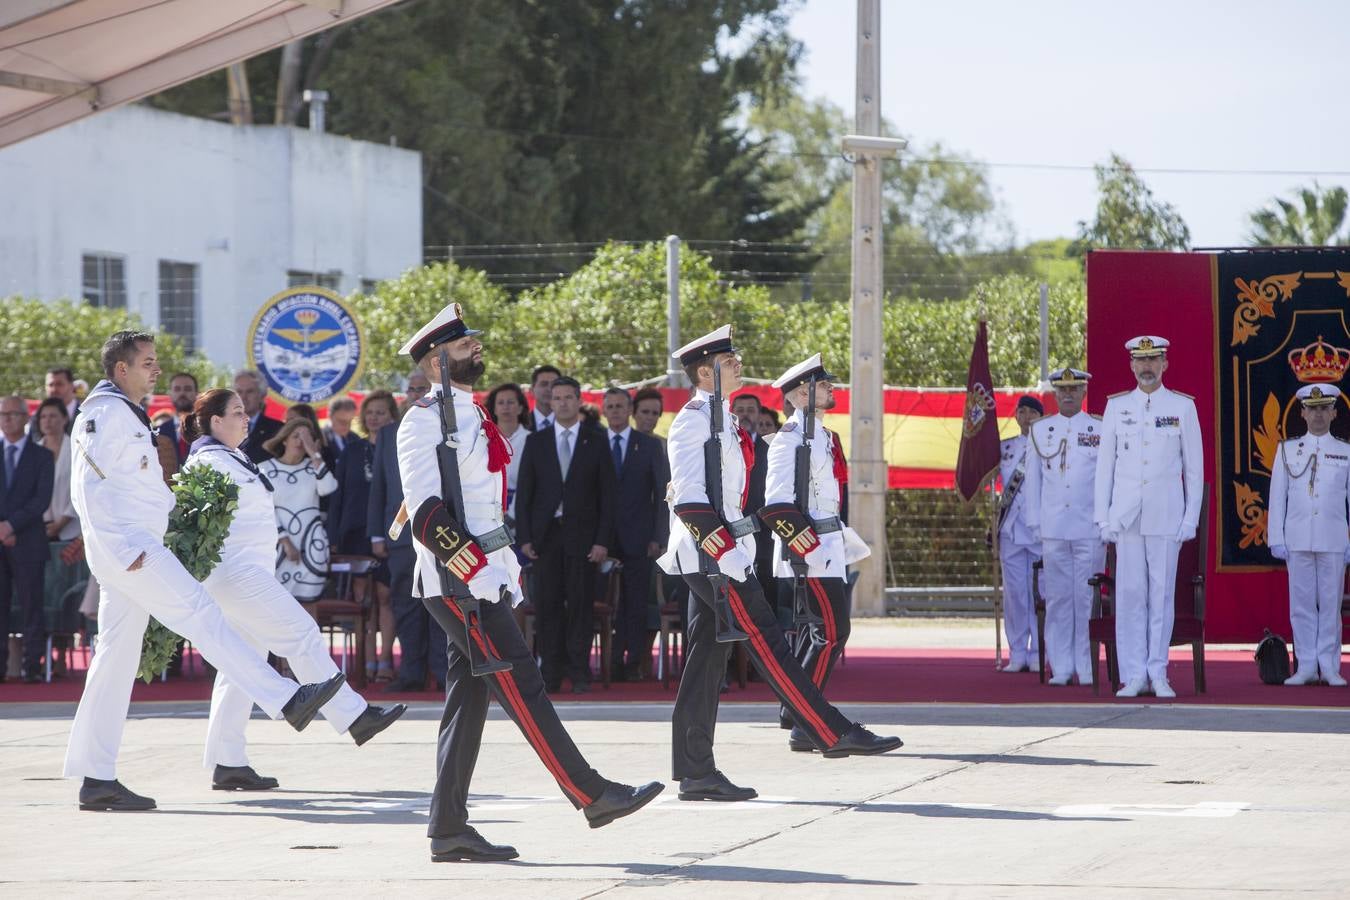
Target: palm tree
1313 219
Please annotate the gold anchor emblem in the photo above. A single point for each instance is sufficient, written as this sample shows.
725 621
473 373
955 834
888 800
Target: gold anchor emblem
447 539
784 529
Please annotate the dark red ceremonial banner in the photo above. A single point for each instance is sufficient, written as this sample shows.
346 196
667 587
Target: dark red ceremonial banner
978 456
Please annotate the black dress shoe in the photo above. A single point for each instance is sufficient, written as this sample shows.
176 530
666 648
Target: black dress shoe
374 720
111 796
858 741
619 800
240 778
800 742
714 787
469 846
305 703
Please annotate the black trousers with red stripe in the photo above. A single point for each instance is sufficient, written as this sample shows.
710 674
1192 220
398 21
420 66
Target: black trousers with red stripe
706 663
520 692
818 647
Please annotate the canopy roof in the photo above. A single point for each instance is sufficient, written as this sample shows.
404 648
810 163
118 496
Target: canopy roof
62 60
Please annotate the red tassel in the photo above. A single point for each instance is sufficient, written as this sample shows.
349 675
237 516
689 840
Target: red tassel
499 450
840 465
747 454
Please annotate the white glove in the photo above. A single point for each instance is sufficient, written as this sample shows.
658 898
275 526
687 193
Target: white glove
817 558
734 564
488 583
1185 533
1280 551
1107 535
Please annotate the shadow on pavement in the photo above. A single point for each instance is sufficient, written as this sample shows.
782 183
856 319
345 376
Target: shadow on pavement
1021 759
949 811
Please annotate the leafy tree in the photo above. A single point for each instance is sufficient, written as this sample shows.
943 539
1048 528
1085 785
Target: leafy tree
1312 219
35 335
1128 216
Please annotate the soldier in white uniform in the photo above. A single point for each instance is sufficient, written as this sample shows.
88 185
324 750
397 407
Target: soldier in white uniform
1018 548
1309 489
711 537
1149 487
476 553
1061 470
118 490
819 646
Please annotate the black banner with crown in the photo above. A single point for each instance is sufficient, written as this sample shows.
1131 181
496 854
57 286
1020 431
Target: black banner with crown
1281 322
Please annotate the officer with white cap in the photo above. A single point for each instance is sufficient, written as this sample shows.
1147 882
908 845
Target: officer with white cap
826 560
1309 490
1061 470
1018 548
1147 499
711 537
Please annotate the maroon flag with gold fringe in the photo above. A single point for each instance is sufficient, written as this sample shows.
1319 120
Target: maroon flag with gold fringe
978 457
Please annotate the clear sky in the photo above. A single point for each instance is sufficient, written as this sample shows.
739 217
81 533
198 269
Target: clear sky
1185 84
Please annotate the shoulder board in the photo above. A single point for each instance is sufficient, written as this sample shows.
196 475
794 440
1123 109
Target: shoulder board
427 401
1114 396
789 427
695 404
1182 394
1095 416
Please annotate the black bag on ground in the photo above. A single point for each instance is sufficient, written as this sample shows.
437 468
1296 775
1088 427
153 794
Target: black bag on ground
1272 659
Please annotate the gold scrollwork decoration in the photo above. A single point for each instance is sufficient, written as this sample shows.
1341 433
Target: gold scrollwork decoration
1266 436
1251 509
1256 301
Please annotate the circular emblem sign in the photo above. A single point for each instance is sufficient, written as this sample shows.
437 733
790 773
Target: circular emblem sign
306 344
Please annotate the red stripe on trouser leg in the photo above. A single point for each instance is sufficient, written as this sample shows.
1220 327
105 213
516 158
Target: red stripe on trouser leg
776 671
532 731
831 632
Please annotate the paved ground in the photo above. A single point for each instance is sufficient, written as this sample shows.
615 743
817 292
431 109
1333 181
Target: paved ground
983 801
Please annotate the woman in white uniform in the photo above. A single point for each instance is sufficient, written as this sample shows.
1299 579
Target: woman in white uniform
256 604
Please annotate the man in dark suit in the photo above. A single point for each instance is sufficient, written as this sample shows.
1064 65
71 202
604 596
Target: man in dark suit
565 523
745 407
26 474
641 526
422 640
248 384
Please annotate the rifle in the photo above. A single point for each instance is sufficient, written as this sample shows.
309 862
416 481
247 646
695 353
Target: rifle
485 661
801 608
727 632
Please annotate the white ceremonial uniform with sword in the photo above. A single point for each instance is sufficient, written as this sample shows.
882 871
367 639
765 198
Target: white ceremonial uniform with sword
1018 549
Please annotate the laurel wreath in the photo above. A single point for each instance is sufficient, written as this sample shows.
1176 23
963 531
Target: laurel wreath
205 503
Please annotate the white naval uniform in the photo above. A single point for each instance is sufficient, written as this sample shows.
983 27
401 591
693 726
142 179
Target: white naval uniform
1308 517
838 549
691 427
419 432
262 611
1061 469
1018 549
118 490
1149 487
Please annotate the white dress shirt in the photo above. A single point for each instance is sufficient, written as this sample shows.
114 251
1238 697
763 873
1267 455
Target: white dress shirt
623 437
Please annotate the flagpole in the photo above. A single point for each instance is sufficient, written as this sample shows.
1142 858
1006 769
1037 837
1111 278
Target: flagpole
995 570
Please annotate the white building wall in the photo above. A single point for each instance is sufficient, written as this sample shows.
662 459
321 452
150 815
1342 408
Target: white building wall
245 204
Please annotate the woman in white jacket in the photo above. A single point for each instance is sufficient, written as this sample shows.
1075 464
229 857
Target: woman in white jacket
255 603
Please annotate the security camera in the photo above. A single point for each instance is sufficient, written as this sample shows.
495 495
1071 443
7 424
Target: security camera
873 144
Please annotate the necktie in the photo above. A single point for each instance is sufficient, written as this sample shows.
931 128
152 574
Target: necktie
565 453
11 460
618 454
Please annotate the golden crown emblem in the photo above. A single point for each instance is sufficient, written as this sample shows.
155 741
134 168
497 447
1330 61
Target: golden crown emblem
1144 344
1319 362
306 317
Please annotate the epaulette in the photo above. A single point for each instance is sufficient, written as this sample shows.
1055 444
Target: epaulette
695 404
1183 394
789 427
1095 416
427 401
1120 394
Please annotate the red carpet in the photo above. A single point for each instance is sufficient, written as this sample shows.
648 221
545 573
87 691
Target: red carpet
868 676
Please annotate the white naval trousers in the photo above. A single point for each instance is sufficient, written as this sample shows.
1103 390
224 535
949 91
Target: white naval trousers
163 588
1146 577
1316 582
269 619
1068 603
1019 611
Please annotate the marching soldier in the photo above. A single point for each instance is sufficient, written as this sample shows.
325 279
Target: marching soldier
118 490
1309 488
712 545
1018 549
1147 502
819 644
1059 484
476 553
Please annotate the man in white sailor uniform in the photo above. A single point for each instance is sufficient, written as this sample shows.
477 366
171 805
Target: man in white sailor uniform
819 645
118 490
1149 487
1018 548
1309 490
1061 472
477 553
711 537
